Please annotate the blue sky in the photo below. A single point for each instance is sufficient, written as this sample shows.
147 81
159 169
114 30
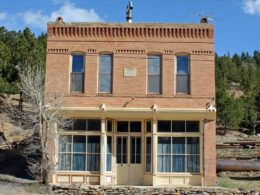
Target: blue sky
237 27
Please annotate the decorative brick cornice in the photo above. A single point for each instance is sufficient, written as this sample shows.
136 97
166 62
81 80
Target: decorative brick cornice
130 51
203 52
134 31
51 50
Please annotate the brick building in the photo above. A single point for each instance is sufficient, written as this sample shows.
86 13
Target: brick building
141 96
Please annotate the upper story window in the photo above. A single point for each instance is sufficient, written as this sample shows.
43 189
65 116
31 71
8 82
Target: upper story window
105 73
77 73
183 75
154 74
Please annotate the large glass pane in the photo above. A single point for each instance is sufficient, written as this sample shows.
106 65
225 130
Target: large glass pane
154 74
77 63
79 124
79 162
178 163
193 163
182 64
105 73
192 126
178 145
93 162
124 150
178 126
183 84
164 126
164 145
135 126
93 125
79 144
138 150
122 126
64 143
164 163
93 144
64 162
193 145
77 82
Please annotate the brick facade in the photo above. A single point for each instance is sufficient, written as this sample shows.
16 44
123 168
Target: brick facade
130 44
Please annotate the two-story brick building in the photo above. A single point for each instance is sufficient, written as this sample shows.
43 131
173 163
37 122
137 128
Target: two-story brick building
141 98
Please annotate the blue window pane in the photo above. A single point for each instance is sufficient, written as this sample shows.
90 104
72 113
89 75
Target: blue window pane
164 163
93 145
77 63
93 162
193 145
164 145
178 163
178 145
154 83
79 144
193 164
182 64
79 161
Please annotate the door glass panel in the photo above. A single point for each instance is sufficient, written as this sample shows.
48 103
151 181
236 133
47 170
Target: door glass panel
135 152
121 150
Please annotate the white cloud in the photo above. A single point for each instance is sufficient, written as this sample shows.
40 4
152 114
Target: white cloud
3 16
69 12
252 7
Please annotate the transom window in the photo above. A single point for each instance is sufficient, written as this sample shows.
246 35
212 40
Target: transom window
183 75
77 73
178 154
129 126
79 153
105 73
154 74
85 125
178 126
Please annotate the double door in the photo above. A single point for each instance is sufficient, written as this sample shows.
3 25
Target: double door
129 160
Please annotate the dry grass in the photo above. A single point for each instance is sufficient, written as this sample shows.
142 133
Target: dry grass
247 185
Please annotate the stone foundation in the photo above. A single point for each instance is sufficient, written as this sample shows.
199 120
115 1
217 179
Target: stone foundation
106 190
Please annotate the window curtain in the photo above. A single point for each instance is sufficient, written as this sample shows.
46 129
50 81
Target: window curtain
164 157
178 158
93 153
79 150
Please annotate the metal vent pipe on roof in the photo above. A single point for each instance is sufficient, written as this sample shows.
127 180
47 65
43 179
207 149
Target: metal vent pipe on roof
129 9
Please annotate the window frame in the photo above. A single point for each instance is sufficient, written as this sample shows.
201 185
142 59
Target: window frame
111 74
71 153
188 75
71 72
186 155
160 74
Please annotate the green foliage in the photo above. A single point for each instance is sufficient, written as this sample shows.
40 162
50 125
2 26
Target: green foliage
238 91
19 49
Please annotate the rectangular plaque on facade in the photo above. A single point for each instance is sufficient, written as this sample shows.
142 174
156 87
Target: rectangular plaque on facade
130 72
